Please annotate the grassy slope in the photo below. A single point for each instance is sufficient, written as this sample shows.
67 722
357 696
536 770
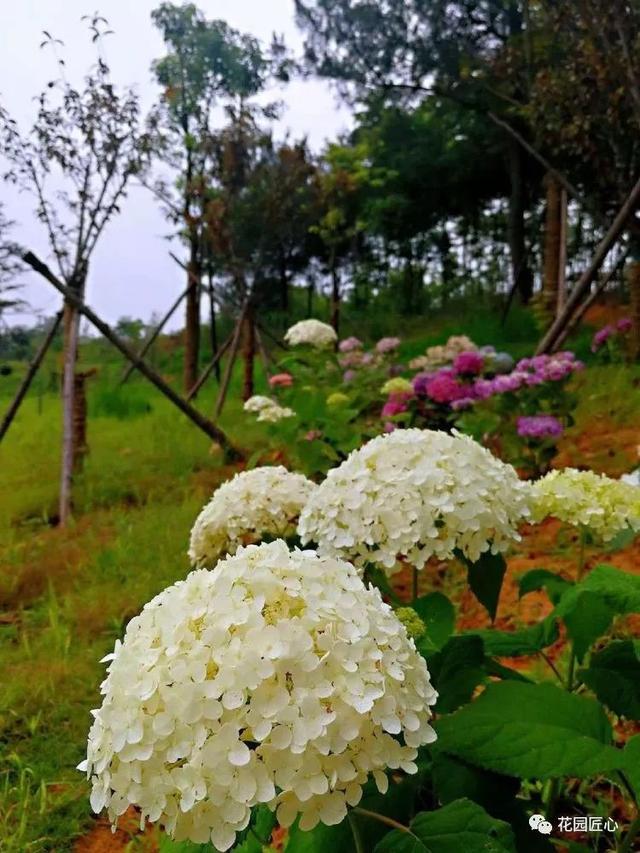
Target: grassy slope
66 595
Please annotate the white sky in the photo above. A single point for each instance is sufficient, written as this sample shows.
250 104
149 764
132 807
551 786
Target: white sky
131 273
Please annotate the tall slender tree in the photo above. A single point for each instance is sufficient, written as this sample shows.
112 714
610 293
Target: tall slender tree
77 159
208 64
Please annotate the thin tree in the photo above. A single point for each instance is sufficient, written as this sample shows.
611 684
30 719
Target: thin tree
207 65
77 160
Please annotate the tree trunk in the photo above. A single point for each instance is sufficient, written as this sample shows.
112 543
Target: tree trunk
284 287
80 446
249 353
335 295
564 239
194 275
552 250
192 323
71 332
522 275
213 329
634 298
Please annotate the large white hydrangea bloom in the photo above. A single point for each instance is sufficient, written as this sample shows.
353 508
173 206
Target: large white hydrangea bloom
311 333
253 504
415 494
584 498
278 679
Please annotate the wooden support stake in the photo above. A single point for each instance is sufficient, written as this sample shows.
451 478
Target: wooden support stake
208 370
609 240
226 379
207 426
588 302
264 355
30 375
149 342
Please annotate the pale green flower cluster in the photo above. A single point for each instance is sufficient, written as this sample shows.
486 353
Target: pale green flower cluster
582 498
311 333
254 504
278 678
397 385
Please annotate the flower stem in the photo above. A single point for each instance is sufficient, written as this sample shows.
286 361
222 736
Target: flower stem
388 821
355 831
579 574
415 584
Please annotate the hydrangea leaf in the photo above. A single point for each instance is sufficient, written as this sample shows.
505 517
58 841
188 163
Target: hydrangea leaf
614 676
453 778
533 731
526 641
485 579
439 616
460 825
537 579
456 671
587 617
632 763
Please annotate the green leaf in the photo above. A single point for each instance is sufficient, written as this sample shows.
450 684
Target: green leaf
622 540
485 579
456 671
533 731
526 641
439 616
538 579
497 794
588 608
587 616
631 767
459 826
619 589
496 669
614 676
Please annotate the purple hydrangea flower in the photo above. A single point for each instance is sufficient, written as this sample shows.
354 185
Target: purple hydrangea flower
350 344
539 426
624 325
601 337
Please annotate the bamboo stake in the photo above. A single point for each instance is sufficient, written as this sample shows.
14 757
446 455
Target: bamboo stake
149 342
226 379
588 302
30 375
207 426
208 370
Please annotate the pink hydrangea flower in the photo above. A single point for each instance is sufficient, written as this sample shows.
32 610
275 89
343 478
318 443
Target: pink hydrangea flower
281 380
601 337
624 325
444 387
350 344
469 363
386 345
396 405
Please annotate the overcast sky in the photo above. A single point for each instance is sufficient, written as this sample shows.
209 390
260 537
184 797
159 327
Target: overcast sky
131 273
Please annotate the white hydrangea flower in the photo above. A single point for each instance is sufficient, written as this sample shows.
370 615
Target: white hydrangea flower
267 409
253 504
278 679
258 403
313 333
415 494
605 506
